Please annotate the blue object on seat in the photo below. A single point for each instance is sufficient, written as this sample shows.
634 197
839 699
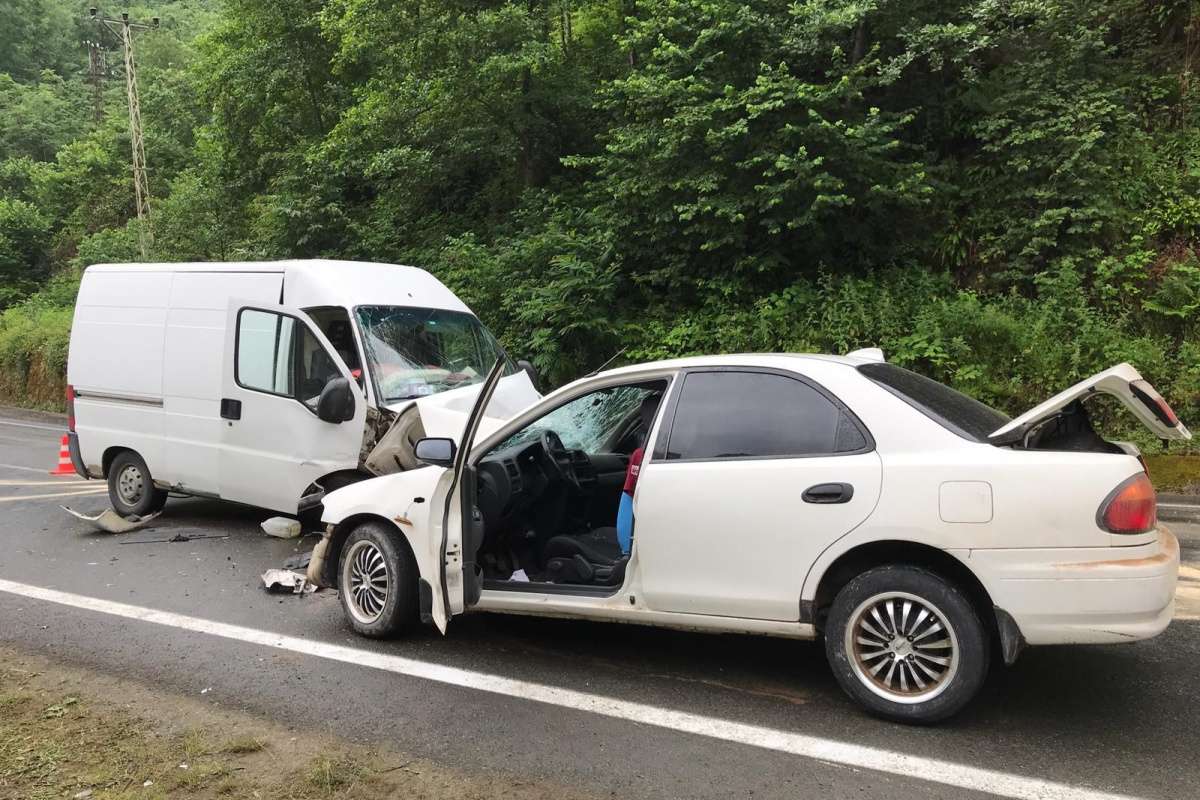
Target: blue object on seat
625 523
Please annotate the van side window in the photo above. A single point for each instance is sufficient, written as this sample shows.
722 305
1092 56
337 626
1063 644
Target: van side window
735 415
264 351
314 368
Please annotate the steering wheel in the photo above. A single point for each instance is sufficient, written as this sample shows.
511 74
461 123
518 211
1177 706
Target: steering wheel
559 457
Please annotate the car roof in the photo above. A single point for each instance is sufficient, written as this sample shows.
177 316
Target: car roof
779 360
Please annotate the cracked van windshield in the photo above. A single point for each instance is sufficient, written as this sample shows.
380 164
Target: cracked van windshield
414 352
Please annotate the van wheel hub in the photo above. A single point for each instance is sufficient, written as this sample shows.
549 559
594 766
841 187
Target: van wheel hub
130 484
369 582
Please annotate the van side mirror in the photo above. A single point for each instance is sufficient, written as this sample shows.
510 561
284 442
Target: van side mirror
336 403
530 370
436 451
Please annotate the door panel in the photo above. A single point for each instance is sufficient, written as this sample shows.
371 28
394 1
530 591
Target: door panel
754 473
462 529
276 362
735 538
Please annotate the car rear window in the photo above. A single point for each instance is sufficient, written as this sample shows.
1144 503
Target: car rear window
951 409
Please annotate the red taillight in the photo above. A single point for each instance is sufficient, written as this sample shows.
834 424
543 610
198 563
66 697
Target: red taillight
1131 508
70 408
1154 401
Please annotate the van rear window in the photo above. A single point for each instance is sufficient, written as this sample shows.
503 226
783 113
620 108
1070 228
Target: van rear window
951 409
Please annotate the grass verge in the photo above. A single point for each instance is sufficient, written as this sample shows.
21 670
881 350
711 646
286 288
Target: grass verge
1176 474
76 734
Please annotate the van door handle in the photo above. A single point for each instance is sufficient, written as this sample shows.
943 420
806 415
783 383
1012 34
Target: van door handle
828 493
231 409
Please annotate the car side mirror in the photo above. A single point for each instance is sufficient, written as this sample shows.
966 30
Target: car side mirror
336 403
530 370
436 451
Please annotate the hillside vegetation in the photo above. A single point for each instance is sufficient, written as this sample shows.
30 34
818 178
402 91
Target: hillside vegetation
1003 194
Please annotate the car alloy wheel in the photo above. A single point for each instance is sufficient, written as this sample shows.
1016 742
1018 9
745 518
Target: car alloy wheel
902 647
369 582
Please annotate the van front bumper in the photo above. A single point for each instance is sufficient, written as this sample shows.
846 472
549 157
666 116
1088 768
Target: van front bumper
1094 595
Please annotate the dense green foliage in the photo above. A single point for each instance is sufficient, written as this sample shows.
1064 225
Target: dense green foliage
1001 193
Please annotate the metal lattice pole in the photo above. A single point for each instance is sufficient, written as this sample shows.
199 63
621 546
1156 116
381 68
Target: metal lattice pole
124 29
141 187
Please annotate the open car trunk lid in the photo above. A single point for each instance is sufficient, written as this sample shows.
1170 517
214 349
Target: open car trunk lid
1123 382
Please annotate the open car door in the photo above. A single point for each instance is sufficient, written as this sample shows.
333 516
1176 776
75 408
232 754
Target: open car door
1122 382
462 526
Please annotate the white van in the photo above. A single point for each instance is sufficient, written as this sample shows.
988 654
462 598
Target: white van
267 383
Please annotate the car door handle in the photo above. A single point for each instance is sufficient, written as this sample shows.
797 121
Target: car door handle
230 409
828 493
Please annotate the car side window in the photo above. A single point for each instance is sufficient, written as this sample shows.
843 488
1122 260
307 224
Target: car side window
730 414
265 343
590 422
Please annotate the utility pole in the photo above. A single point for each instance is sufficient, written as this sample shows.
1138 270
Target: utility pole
123 28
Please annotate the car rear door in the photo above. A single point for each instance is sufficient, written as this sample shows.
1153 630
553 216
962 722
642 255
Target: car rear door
273 445
752 474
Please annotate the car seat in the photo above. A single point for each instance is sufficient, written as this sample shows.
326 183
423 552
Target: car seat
591 558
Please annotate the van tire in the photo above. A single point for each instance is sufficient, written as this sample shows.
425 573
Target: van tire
948 631
376 548
131 488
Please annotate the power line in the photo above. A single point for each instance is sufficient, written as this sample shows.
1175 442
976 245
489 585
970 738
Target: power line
97 72
123 29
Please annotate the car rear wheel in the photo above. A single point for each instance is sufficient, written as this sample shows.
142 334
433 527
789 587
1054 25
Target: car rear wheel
377 581
131 488
906 644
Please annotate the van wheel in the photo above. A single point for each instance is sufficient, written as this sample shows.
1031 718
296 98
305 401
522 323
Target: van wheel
131 489
906 644
377 581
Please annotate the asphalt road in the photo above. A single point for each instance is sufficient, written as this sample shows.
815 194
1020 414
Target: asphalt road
1119 719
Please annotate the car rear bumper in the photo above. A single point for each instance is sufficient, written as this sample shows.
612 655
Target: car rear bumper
1095 595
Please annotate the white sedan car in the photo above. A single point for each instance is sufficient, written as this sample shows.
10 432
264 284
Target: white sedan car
918 531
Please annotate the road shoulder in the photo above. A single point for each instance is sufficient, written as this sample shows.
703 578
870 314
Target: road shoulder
72 732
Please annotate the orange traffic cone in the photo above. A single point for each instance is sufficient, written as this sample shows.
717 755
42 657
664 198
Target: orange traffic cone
65 467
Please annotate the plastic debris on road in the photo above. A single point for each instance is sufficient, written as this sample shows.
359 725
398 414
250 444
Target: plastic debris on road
298 561
282 527
284 580
110 521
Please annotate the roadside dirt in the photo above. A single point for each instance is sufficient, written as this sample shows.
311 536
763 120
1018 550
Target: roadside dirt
67 732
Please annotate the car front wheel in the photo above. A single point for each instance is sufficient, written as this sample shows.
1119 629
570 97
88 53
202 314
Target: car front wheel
906 644
377 581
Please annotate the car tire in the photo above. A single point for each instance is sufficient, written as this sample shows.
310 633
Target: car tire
131 488
387 604
907 644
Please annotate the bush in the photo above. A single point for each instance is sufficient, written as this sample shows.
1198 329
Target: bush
34 338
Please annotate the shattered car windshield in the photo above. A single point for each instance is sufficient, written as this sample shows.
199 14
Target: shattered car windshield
415 352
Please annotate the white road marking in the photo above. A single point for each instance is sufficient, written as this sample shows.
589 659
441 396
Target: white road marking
25 469
842 753
55 428
19 498
58 482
